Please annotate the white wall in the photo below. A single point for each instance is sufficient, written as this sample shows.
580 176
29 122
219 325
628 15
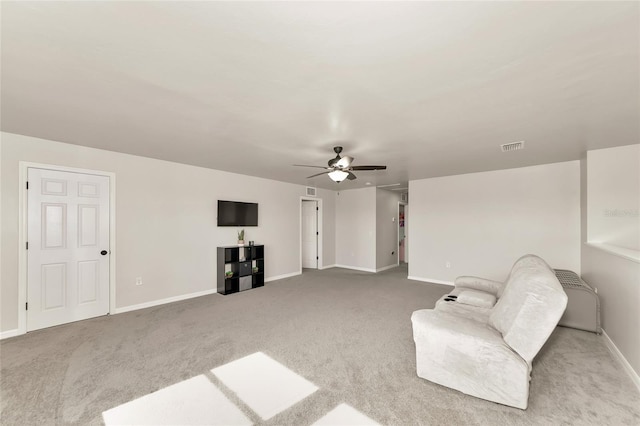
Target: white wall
617 278
618 283
386 228
482 222
356 229
166 221
613 202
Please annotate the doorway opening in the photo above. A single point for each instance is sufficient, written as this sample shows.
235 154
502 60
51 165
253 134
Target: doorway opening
310 233
402 233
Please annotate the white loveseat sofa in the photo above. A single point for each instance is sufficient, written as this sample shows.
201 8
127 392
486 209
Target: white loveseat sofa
483 349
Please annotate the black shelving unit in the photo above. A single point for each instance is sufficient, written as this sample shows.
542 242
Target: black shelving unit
246 264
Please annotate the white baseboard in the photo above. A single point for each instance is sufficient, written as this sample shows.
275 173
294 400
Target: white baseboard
279 277
329 266
10 333
431 280
621 359
384 268
164 301
356 268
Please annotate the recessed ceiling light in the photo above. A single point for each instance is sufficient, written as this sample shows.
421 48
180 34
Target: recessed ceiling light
368 183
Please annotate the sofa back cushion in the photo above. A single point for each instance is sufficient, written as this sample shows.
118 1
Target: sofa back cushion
524 261
530 306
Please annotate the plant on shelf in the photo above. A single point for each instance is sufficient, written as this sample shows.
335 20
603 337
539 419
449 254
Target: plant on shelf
241 237
229 274
255 269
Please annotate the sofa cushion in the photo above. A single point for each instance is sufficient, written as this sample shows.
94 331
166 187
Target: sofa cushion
530 307
476 298
527 260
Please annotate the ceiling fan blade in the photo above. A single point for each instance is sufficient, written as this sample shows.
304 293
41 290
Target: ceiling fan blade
323 173
344 162
351 176
306 165
369 168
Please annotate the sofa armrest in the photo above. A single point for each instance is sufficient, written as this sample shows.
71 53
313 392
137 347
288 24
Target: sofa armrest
454 331
482 284
469 356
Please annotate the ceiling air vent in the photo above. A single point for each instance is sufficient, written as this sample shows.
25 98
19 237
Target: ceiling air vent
513 146
311 192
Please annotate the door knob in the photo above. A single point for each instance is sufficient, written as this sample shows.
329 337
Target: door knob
104 252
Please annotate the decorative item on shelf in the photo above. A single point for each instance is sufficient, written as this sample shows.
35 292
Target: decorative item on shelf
229 274
255 269
241 237
251 242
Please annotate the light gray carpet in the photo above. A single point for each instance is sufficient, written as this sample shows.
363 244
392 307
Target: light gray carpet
347 332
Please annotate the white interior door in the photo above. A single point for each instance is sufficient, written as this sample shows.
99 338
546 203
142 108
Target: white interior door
68 247
310 234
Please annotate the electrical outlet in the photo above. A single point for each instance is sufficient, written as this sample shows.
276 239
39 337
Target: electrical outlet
448 264
138 280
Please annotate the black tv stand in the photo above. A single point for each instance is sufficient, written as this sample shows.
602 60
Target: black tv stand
246 266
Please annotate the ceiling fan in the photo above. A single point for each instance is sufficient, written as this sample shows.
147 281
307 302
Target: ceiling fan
340 168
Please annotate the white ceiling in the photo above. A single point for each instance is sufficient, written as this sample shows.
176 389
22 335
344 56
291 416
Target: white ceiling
429 89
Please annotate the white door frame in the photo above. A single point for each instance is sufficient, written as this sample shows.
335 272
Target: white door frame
401 203
320 220
22 234
306 205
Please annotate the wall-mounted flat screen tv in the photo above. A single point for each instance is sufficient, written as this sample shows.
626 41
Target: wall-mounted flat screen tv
234 213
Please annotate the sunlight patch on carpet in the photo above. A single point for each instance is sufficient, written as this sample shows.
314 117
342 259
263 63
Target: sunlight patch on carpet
264 384
345 414
195 401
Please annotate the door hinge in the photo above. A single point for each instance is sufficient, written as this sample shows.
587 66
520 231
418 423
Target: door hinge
27 184
317 233
26 306
317 208
27 245
317 258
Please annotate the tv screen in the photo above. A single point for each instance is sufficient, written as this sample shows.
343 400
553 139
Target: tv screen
233 213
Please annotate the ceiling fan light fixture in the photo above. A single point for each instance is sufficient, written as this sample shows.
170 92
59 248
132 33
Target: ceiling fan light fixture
338 175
